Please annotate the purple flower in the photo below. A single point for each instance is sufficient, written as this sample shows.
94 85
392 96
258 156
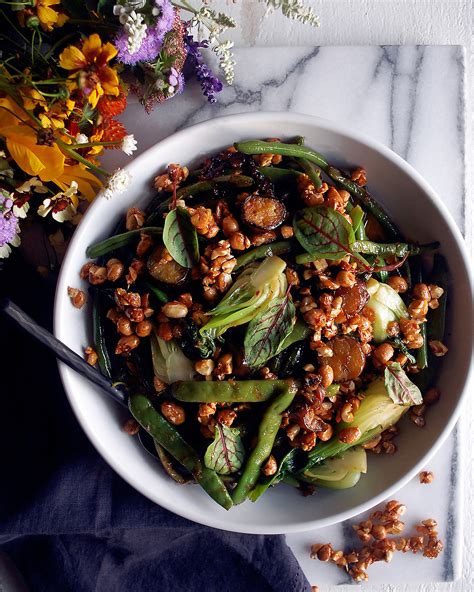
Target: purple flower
210 84
151 44
8 221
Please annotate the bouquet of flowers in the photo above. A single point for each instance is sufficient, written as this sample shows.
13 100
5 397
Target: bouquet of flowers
66 69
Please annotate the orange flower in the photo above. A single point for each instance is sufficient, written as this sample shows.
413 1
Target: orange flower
89 68
112 106
113 131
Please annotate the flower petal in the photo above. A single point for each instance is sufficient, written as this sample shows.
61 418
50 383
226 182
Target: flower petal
45 161
72 58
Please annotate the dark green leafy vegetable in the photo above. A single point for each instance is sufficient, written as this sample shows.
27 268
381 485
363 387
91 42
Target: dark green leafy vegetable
167 436
226 454
119 240
180 237
197 345
156 293
399 387
323 232
267 331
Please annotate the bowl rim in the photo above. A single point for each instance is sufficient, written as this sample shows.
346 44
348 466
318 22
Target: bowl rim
213 520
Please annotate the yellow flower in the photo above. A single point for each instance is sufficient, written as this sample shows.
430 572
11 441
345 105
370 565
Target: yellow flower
89 70
53 116
47 16
87 183
47 162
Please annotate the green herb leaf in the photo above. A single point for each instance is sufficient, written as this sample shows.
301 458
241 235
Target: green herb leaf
323 232
180 237
268 330
399 387
226 454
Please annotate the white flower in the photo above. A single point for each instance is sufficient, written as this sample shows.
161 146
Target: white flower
136 30
32 184
226 61
82 139
118 182
20 212
129 144
66 213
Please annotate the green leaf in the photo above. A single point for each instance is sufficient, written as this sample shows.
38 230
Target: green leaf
323 232
226 454
180 237
399 387
267 331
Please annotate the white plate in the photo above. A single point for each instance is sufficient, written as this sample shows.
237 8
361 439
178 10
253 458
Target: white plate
420 214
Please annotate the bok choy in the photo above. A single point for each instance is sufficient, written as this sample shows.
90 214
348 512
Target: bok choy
169 362
386 305
252 292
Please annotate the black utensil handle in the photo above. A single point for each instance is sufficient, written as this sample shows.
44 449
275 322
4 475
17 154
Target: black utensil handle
61 351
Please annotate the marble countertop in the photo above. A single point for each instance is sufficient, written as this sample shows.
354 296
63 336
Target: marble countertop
393 94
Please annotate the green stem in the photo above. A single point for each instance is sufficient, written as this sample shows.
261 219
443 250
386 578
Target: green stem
76 156
278 248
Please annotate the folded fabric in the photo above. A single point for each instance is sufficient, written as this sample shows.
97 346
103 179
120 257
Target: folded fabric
70 523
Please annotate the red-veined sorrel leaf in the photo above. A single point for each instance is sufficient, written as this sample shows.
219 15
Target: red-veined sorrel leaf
226 454
399 387
323 232
267 331
180 237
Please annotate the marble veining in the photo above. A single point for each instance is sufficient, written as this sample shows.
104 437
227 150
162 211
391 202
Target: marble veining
411 98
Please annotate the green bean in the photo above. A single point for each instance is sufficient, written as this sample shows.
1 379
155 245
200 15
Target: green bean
285 467
312 173
422 353
398 344
167 436
235 391
195 189
201 186
276 174
156 292
120 240
437 316
168 465
357 216
278 248
266 437
103 357
359 193
307 258
435 326
392 249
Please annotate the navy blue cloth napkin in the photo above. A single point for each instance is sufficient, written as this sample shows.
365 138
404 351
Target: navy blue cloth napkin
70 523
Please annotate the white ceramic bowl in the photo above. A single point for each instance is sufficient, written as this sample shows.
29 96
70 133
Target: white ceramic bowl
420 214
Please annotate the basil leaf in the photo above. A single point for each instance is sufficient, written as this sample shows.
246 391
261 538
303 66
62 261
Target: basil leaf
180 237
267 331
399 387
323 232
226 454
